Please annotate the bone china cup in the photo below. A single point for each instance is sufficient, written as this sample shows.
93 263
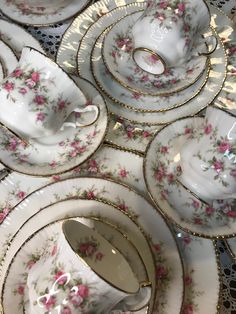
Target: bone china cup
169 32
38 96
208 161
86 274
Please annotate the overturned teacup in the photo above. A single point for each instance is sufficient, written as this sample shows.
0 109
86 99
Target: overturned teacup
208 159
86 275
37 98
169 33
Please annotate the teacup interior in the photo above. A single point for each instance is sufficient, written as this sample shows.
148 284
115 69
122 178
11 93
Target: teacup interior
99 255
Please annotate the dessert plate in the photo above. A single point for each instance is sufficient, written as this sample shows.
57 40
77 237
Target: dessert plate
42 243
16 37
117 55
60 152
8 58
179 205
41 15
167 262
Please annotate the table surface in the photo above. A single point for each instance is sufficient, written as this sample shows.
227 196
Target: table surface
50 38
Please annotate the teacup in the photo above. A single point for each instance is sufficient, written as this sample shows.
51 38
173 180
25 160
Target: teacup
38 96
208 160
169 33
86 275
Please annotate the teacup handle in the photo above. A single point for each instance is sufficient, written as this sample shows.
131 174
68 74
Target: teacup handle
214 43
76 124
140 300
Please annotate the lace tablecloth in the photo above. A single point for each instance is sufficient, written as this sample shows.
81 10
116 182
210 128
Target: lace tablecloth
50 38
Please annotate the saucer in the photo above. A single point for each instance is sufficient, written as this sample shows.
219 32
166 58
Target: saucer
31 252
8 58
58 153
125 98
141 104
179 205
118 107
16 37
96 197
40 16
117 55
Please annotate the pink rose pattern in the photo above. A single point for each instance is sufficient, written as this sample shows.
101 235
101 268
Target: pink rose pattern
89 249
165 179
122 43
34 82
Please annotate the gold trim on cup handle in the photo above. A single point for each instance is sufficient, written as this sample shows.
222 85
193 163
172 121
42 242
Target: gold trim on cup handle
208 53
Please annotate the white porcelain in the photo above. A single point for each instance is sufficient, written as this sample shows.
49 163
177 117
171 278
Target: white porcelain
125 200
16 37
208 159
85 258
41 13
169 33
162 172
43 244
117 54
39 93
1 72
7 57
60 152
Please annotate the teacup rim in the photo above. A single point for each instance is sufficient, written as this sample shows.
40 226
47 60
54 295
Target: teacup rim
57 65
112 284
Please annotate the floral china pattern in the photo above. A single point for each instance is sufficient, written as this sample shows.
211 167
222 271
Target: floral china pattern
171 11
33 81
88 249
68 149
169 80
27 10
166 179
163 276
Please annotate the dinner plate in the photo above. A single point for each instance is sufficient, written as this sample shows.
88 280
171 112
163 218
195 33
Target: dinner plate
42 243
178 204
23 13
60 152
126 168
16 37
131 204
117 52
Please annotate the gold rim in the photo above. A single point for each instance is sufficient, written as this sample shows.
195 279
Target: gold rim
153 53
208 53
167 216
220 279
45 24
3 126
231 252
109 203
64 171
